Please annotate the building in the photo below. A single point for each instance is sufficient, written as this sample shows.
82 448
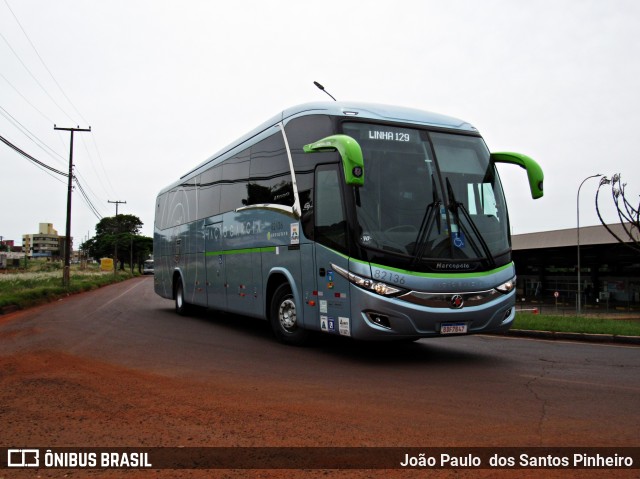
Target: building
6 245
11 260
9 246
547 263
44 244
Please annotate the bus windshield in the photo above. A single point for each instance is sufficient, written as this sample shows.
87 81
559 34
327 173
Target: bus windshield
429 195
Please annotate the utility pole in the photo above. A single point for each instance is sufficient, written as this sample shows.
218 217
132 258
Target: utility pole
67 243
115 253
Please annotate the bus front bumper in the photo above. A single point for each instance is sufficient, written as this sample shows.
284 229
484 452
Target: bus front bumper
396 318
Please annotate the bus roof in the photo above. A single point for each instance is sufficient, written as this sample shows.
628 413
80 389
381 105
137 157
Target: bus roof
374 111
347 109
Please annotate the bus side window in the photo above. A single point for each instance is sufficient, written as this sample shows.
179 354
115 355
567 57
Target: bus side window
235 172
270 173
302 131
190 191
161 204
329 212
209 192
305 192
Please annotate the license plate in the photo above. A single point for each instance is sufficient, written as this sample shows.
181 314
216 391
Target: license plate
453 328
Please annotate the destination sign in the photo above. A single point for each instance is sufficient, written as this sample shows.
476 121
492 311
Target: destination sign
381 133
386 135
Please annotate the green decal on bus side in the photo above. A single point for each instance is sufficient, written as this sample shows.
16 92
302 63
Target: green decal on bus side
350 152
268 249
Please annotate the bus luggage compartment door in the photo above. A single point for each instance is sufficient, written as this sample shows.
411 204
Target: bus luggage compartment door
215 265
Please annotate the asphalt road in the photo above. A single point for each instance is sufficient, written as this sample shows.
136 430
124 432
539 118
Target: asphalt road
462 391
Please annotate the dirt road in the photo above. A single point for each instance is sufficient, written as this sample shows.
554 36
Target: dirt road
117 368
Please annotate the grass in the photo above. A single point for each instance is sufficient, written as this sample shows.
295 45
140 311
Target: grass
42 282
577 324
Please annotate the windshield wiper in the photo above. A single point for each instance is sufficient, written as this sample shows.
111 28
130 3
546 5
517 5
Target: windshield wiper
455 207
430 214
425 230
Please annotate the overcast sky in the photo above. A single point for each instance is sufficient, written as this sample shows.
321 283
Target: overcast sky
164 84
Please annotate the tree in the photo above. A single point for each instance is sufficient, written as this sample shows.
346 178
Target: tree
628 214
119 224
122 230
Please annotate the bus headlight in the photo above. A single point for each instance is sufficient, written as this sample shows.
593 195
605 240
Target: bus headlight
383 289
507 287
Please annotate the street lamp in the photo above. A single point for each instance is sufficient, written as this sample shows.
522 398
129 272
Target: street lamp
578 230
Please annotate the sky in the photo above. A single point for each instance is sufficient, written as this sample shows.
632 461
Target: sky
164 84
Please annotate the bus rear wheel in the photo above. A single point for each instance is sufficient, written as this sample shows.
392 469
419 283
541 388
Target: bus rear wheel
182 307
284 317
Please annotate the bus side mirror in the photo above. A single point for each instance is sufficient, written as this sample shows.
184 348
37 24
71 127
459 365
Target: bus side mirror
534 172
350 152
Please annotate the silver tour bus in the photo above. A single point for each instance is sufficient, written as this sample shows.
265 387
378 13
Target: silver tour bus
361 220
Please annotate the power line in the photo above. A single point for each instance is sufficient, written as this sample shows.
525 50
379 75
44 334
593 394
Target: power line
43 63
29 157
39 143
89 190
44 169
34 78
48 168
25 99
98 175
100 161
87 200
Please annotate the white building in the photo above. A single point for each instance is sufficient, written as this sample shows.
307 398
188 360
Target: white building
44 244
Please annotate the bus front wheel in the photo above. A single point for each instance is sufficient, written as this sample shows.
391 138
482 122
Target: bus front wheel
284 317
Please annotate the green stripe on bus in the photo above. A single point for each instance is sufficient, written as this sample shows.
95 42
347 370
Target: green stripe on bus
443 275
447 275
267 249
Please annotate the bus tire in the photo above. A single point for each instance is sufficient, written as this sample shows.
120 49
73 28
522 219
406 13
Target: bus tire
182 307
283 316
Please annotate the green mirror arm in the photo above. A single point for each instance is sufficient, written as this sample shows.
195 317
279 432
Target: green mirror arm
534 172
350 151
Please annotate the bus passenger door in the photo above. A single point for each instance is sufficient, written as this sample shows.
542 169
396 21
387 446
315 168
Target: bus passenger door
215 265
330 236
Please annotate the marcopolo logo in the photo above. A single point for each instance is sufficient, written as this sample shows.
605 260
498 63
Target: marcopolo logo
457 301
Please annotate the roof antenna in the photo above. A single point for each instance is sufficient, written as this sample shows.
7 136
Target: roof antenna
322 88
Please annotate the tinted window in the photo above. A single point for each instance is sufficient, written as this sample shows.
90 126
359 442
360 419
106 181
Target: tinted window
161 203
191 197
180 205
209 194
329 213
304 130
270 173
307 129
235 174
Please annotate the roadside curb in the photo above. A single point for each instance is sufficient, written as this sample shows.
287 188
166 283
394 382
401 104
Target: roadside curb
593 338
